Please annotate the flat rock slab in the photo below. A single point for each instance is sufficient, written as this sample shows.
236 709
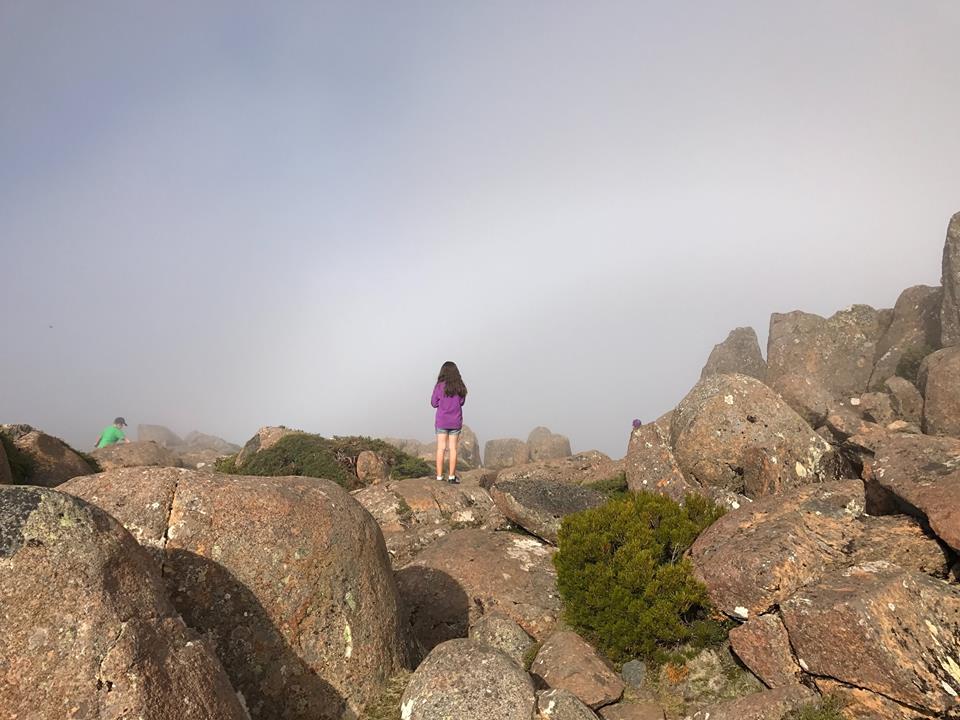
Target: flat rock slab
569 662
469 573
923 473
585 468
465 680
539 506
86 630
287 576
884 629
766 705
763 645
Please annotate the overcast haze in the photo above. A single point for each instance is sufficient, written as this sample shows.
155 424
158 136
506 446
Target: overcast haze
240 214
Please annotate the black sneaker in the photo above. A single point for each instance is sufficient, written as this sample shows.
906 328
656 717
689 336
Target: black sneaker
453 479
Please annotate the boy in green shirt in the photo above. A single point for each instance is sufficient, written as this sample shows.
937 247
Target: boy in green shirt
112 434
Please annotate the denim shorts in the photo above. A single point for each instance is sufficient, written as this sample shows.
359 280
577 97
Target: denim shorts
448 431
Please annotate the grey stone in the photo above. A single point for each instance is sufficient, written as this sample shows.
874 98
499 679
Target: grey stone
634 673
739 353
504 634
950 280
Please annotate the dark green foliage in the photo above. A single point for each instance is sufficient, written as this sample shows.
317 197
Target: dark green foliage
21 464
827 708
530 655
625 582
611 487
315 456
909 365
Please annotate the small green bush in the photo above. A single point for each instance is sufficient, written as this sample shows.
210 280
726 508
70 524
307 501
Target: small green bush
226 465
21 464
826 708
909 365
625 582
611 487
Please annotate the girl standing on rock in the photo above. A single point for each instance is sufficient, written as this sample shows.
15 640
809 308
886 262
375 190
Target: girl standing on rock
449 394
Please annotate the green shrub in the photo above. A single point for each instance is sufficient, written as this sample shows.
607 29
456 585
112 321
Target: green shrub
226 465
826 708
21 464
611 487
909 365
625 582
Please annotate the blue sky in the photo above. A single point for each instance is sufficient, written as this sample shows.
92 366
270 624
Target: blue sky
240 214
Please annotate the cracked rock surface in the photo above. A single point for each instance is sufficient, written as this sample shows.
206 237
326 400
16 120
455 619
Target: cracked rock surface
86 630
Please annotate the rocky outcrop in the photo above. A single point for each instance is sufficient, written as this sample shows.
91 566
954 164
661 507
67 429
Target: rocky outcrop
546 445
650 464
568 662
763 645
371 468
813 362
465 680
504 634
163 436
52 461
265 439
504 453
415 513
905 399
539 506
585 468
197 441
86 630
287 576
739 354
939 380
468 450
915 331
950 280
135 454
881 628
469 573
734 433
765 705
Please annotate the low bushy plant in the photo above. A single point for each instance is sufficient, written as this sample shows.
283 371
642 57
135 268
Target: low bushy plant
826 708
624 580
611 487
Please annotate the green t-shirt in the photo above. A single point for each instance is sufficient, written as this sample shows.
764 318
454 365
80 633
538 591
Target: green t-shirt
111 436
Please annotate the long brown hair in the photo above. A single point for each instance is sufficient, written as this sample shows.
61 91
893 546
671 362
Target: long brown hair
453 383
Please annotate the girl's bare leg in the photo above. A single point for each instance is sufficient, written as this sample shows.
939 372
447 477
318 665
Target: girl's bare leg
454 441
441 446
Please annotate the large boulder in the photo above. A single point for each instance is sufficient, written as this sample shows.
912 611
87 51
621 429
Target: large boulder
52 461
505 452
939 380
813 361
287 576
567 661
417 512
651 466
881 628
465 680
135 454
765 705
733 432
585 468
739 354
504 634
371 468
559 704
950 280
86 630
468 450
265 439
539 506
915 330
469 573
546 445
158 434
905 399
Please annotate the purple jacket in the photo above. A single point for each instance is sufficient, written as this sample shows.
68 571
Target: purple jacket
449 414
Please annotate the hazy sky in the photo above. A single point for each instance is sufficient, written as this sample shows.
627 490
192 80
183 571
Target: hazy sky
237 214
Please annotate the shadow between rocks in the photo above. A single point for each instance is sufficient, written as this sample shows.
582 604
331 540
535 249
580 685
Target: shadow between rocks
435 605
276 684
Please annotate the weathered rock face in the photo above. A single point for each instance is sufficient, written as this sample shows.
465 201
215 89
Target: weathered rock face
86 630
468 450
539 506
813 361
733 432
763 645
135 454
287 576
915 329
469 573
265 439
905 399
739 354
583 468
883 629
559 704
158 434
950 280
546 445
567 661
923 474
506 452
940 382
53 461
415 513
650 464
6 476
465 680
765 705
504 634
371 468
877 408
197 441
